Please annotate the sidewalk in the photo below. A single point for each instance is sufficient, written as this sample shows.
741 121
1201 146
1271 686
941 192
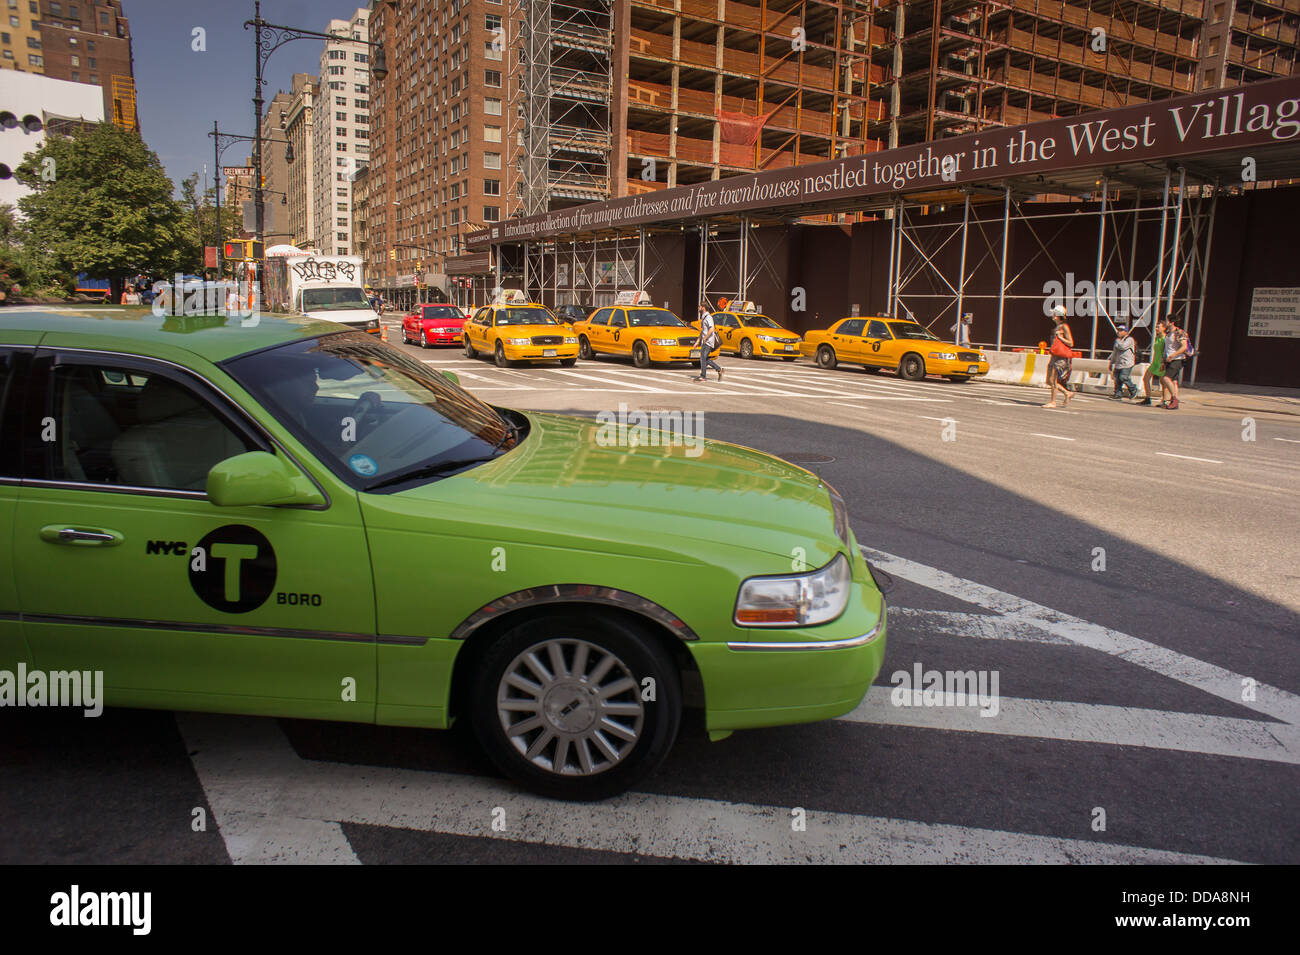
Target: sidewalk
1250 399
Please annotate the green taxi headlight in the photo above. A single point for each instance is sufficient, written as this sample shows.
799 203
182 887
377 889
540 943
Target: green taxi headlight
796 600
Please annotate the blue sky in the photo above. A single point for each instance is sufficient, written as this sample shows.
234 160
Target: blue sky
179 92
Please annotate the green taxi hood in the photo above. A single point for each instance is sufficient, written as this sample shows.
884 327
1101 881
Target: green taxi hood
572 476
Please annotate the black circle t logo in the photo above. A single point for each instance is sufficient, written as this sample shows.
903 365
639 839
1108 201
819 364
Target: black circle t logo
233 569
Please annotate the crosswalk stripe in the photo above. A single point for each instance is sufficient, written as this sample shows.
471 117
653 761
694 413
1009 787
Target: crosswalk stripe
586 376
1094 723
257 784
1215 680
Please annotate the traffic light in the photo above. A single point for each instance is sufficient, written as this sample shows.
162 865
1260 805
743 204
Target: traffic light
392 255
30 123
243 250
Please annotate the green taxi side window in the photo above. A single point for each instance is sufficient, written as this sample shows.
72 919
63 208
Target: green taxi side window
133 429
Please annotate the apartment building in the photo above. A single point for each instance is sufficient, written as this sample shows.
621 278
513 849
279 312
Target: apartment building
89 41
300 179
275 168
441 155
341 131
1247 40
20 36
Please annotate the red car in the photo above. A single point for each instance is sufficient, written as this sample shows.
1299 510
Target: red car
433 325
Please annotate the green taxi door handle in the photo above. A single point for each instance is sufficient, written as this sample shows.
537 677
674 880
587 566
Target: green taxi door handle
81 536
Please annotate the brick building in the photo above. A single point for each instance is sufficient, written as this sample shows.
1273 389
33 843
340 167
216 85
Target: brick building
300 180
90 42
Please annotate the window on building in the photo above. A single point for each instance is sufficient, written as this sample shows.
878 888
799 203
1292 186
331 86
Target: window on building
76 77
56 9
91 63
492 78
340 206
491 187
341 221
491 160
341 147
341 131
360 88
33 42
341 117
491 213
491 50
34 60
75 60
7 54
342 236
94 77
72 41
361 118
90 46
492 22
15 22
492 134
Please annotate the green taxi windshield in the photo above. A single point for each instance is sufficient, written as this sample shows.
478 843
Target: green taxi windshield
911 330
642 317
367 410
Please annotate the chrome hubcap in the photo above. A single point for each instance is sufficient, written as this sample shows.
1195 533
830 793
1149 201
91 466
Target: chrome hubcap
570 707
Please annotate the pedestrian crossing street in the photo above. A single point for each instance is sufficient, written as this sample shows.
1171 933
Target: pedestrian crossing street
882 784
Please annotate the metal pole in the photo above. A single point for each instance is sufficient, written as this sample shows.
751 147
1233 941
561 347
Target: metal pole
704 262
898 262
216 179
640 260
961 269
889 284
1178 231
1160 268
1096 289
1002 276
257 120
1132 256
1205 274
528 273
744 258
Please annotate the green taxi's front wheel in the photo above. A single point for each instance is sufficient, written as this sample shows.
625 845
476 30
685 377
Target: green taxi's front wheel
576 707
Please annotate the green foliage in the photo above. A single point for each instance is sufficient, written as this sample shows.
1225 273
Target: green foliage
107 209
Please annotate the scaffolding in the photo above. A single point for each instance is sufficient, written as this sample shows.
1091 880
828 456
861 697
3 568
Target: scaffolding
561 104
1150 261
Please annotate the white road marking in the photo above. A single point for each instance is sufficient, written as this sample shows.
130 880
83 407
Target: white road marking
1094 723
1036 434
1187 457
1215 680
585 376
257 785
1287 440
981 626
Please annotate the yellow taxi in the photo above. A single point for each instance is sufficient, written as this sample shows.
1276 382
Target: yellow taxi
882 342
632 326
747 332
513 329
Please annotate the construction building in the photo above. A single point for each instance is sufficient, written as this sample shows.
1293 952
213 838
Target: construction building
611 98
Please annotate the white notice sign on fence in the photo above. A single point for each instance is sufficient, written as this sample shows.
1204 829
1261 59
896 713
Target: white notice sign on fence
1275 313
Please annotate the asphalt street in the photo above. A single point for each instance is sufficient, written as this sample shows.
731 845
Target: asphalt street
1131 575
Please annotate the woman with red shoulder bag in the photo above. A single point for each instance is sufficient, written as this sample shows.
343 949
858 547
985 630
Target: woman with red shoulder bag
1058 369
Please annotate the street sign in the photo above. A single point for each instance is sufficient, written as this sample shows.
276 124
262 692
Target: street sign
209 256
237 172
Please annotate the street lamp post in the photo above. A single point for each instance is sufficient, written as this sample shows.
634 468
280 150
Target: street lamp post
267 38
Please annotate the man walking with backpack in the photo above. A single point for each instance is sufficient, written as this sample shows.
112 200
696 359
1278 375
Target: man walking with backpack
1122 358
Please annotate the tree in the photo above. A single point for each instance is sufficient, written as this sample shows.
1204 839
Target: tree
102 204
201 217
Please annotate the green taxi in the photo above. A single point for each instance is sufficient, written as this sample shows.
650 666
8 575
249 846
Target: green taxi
289 519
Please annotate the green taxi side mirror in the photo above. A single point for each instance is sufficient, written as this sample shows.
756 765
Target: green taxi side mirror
452 377
258 478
